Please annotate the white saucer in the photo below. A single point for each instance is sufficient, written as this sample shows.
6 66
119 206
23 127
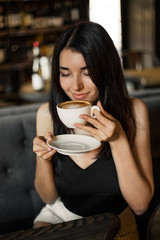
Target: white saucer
71 153
73 144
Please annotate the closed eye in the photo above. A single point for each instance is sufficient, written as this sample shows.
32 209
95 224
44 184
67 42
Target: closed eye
85 71
64 74
86 74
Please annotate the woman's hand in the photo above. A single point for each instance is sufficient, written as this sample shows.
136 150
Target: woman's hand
106 127
40 147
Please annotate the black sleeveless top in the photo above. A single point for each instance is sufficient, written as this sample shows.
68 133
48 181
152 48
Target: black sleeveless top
89 191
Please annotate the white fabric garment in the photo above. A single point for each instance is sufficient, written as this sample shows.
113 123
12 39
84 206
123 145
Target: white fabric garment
55 213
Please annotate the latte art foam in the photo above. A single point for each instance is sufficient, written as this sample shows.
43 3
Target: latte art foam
73 105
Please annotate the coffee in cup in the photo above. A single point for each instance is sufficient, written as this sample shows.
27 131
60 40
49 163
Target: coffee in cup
70 111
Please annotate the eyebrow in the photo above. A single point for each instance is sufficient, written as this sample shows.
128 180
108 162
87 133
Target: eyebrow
65 68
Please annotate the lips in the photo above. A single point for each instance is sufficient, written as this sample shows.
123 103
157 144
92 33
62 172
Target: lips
80 96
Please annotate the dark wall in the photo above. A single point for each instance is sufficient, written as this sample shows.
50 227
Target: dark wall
157 26
125 23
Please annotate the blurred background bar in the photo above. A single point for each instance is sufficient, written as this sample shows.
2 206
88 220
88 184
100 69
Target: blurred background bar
29 30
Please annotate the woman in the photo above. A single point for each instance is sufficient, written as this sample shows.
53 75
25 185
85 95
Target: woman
117 177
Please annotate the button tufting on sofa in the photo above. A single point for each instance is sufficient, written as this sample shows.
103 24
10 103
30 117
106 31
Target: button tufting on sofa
29 191
8 170
23 141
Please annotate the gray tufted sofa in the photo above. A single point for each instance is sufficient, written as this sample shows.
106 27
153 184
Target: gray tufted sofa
19 202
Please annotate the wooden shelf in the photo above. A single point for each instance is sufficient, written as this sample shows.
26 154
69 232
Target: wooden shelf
3 33
4 1
15 66
32 31
149 77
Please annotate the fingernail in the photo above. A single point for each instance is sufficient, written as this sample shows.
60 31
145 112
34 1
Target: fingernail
75 125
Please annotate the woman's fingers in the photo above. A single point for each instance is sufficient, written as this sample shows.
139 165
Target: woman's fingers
100 122
46 155
103 127
92 131
105 113
49 136
39 143
41 148
106 124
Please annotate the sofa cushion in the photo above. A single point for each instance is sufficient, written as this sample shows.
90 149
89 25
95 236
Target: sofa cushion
18 198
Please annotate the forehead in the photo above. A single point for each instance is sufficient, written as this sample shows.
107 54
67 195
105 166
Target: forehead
71 57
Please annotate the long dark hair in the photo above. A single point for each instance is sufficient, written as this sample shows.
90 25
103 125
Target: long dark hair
104 66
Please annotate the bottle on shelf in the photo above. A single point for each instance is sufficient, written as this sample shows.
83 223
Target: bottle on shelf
57 16
14 18
37 80
2 18
75 16
45 63
41 17
2 52
26 16
66 11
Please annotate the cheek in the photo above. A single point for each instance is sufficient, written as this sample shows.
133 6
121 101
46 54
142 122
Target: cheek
96 95
92 86
63 84
94 90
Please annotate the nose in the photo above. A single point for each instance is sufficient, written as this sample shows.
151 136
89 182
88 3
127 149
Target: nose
77 83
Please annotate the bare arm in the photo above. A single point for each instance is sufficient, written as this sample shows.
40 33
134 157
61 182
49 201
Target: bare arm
134 166
44 177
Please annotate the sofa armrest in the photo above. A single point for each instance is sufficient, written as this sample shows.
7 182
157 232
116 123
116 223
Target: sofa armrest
97 227
153 230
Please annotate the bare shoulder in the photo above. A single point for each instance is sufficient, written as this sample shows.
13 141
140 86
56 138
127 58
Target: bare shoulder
140 110
138 105
44 120
43 111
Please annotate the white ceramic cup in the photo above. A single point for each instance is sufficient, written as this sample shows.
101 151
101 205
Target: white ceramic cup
70 111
